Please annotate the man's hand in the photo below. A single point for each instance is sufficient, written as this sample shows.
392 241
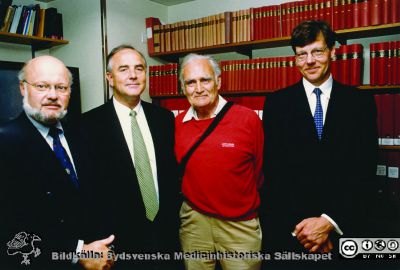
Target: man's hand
313 234
103 263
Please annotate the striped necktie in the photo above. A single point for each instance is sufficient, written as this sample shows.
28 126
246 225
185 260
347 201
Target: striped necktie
143 170
319 114
62 155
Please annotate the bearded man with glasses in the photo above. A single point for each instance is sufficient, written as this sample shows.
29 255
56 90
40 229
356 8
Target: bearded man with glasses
319 153
44 196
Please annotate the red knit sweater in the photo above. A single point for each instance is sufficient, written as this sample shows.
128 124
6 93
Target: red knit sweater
224 174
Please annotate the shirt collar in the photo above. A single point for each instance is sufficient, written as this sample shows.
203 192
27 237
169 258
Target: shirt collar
44 130
191 113
326 87
121 109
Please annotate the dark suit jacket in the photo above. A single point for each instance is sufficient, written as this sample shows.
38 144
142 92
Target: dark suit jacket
122 210
37 195
306 177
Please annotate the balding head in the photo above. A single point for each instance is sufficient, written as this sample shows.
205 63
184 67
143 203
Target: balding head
45 84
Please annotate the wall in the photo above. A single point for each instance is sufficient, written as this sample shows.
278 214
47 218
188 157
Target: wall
126 25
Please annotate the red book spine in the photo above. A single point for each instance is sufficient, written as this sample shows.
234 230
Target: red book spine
284 20
273 70
395 11
256 23
262 73
335 17
329 12
267 82
378 103
343 64
356 15
386 11
356 52
277 21
397 62
395 67
252 77
349 13
151 81
175 79
150 23
387 108
157 73
364 13
397 119
264 21
306 10
342 14
373 47
284 73
376 12
382 63
278 63
390 61
248 71
335 65
222 64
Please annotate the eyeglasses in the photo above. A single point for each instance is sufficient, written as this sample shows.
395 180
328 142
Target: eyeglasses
315 53
45 88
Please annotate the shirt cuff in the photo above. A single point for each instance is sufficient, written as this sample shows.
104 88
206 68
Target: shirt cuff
337 229
78 250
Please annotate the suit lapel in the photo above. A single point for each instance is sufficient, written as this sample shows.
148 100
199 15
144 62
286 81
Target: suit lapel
39 151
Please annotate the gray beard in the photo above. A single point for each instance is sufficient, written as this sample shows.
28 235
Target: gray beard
39 116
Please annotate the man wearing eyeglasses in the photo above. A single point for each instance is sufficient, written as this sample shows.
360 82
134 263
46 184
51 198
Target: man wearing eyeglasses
320 143
43 197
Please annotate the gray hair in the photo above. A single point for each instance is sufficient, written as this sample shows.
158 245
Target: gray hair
190 57
118 49
22 74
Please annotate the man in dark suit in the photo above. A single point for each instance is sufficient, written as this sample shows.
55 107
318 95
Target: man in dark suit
320 152
43 173
132 145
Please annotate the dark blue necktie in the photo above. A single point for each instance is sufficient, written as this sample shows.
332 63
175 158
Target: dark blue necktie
62 155
318 115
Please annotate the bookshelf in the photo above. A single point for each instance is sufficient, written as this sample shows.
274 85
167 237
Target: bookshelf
246 48
37 43
389 147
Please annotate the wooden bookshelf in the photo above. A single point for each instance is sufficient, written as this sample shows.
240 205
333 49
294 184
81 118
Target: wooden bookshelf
377 89
389 147
246 48
37 43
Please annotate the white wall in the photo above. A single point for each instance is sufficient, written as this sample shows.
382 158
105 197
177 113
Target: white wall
126 25
82 28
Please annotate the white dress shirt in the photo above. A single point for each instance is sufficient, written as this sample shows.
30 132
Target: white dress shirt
191 113
125 121
326 90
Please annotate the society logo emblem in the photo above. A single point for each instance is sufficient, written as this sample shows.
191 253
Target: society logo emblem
23 243
348 248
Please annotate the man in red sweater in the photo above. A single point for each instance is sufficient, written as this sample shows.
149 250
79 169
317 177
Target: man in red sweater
219 220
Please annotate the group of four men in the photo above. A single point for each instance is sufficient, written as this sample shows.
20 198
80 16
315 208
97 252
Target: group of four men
110 182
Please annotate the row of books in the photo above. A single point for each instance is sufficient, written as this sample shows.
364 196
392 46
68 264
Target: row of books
388 169
388 110
347 65
31 20
266 22
262 74
385 63
163 80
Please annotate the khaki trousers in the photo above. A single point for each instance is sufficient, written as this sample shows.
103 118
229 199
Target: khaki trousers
235 244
